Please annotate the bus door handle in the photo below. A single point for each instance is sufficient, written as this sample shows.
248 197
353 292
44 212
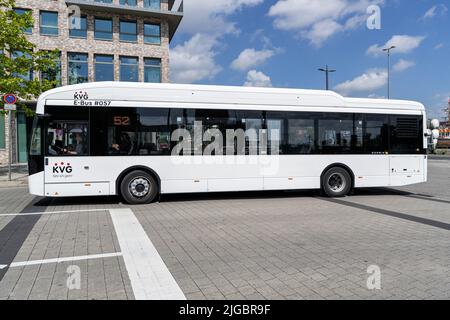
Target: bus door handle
86 167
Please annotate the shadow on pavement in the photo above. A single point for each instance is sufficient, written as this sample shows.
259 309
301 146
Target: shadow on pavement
237 195
101 200
395 192
14 234
241 195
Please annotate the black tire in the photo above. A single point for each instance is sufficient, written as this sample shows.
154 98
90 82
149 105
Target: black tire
138 187
336 182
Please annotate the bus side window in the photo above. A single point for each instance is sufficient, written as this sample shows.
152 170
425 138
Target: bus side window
67 138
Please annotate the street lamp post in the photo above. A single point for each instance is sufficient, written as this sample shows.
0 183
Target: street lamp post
327 77
388 50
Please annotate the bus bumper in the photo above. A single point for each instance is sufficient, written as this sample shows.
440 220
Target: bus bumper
36 184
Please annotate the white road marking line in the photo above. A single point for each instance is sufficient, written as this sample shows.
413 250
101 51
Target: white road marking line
149 276
65 259
50 212
3 266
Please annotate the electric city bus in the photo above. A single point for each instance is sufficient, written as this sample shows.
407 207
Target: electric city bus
141 140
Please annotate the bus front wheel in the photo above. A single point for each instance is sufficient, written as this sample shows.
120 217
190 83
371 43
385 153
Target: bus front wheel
139 187
336 182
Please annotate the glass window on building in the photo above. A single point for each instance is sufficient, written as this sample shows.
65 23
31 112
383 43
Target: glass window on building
152 70
78 71
152 33
153 4
78 27
128 31
27 76
49 23
54 73
132 3
24 11
104 68
103 29
129 69
2 131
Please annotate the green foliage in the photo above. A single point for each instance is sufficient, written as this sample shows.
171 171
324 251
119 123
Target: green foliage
19 58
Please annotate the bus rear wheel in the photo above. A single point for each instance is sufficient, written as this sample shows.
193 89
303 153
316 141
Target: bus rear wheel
139 187
336 182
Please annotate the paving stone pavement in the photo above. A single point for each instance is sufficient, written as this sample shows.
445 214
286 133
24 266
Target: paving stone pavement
282 245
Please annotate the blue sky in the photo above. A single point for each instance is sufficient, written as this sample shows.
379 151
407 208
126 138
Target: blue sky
283 43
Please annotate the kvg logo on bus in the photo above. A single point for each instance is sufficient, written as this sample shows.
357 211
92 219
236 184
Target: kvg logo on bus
62 168
81 95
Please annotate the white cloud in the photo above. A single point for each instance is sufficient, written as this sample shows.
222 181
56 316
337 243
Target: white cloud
318 20
434 10
403 65
211 16
250 58
206 21
403 44
371 80
322 30
193 60
257 79
439 46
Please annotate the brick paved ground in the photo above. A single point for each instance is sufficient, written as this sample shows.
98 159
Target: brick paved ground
292 245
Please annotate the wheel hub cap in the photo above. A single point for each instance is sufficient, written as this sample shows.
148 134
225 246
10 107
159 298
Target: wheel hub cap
336 182
139 187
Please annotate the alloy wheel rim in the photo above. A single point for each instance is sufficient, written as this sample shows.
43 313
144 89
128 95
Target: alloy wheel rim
139 187
336 182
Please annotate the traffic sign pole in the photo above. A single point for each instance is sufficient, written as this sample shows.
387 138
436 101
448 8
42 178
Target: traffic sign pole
10 144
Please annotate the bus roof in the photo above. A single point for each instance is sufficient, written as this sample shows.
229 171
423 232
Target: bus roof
130 93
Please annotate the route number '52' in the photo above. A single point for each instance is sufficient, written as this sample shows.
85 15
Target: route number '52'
121 121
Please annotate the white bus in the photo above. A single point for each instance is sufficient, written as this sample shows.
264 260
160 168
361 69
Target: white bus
113 138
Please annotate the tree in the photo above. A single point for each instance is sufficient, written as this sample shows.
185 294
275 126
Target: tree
19 59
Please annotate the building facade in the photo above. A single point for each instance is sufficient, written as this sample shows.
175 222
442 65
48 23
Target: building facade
98 40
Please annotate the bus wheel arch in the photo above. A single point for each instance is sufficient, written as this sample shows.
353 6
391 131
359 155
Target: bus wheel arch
143 169
341 171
